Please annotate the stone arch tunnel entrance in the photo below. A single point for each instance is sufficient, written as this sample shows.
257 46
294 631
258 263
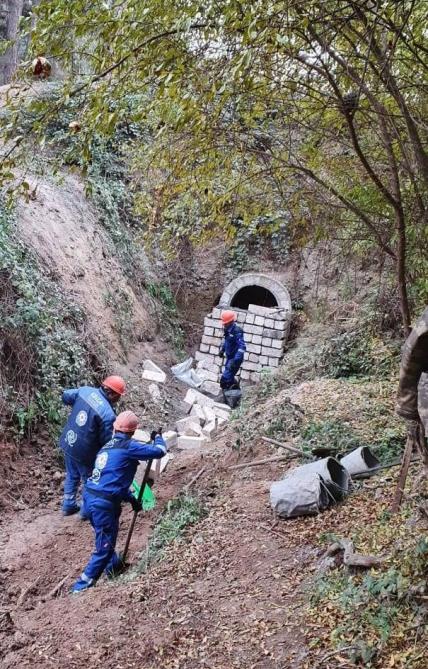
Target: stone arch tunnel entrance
263 307
253 295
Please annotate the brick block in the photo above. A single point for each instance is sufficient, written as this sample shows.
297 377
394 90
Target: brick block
255 376
272 352
216 314
221 407
214 349
195 397
240 317
253 329
210 323
257 339
253 367
259 320
253 357
183 424
207 365
277 343
273 362
213 341
204 348
199 355
148 375
142 435
170 438
245 375
209 331
218 332
198 412
249 319
189 443
222 415
209 429
280 325
269 322
205 375
211 387
273 334
258 310
249 338
263 360
254 348
192 430
266 342
209 414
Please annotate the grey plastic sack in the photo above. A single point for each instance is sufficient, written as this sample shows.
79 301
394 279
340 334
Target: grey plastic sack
297 496
360 461
332 472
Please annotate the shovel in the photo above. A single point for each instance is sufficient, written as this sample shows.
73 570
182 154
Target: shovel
134 517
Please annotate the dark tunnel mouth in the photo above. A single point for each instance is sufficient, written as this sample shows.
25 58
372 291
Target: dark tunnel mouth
253 295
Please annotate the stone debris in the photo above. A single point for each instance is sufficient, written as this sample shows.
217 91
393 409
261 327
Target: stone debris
152 372
155 393
187 443
211 387
182 424
209 429
198 411
170 438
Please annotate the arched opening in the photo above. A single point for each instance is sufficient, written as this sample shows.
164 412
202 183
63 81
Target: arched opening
253 295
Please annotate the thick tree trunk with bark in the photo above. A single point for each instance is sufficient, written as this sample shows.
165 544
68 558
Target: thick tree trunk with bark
11 10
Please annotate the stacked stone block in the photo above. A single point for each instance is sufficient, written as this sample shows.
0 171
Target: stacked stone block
265 331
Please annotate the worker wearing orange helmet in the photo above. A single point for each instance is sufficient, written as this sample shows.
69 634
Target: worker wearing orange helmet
108 488
89 427
233 347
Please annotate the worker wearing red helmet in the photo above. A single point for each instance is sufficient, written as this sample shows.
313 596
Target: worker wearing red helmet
108 488
89 427
233 347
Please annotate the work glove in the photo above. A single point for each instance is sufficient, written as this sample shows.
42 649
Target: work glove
136 505
153 435
221 352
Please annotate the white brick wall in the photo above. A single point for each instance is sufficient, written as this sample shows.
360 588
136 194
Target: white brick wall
265 332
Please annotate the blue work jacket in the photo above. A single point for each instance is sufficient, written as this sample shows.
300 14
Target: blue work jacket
117 463
234 345
90 424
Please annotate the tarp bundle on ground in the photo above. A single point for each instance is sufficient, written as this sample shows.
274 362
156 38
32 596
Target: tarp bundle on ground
184 372
311 488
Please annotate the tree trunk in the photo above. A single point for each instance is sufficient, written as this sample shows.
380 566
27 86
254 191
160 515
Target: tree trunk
11 11
401 273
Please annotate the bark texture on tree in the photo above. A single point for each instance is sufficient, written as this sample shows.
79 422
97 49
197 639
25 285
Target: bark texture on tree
12 11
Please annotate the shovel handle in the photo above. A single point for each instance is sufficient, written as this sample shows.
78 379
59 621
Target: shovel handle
134 517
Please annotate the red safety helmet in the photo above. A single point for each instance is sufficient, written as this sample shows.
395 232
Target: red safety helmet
228 317
116 384
126 421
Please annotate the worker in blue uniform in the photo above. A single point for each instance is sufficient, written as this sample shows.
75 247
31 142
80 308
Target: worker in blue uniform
88 428
107 488
233 347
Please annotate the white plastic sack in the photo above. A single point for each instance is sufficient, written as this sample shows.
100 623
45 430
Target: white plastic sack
184 372
297 496
360 461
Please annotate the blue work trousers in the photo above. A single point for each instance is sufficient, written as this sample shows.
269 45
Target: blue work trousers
75 473
104 518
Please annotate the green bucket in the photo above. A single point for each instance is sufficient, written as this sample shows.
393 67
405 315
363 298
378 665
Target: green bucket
149 500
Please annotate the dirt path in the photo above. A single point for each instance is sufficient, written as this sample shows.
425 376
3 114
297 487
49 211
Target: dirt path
225 597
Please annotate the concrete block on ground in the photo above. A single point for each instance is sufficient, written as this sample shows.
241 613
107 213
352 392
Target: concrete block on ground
192 430
149 375
189 443
142 435
151 367
170 438
211 387
221 406
209 414
198 412
221 421
258 310
182 424
209 429
158 466
205 375
199 398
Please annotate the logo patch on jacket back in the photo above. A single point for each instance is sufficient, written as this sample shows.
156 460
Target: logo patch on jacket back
101 460
81 418
71 437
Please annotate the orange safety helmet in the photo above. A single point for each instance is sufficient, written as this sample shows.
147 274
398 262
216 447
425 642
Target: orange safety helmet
126 421
115 383
228 317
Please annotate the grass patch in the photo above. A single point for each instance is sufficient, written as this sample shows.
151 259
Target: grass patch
178 514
